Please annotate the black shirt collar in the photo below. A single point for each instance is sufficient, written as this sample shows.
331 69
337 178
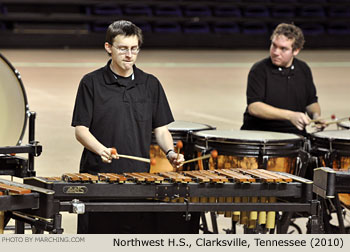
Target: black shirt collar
283 70
110 79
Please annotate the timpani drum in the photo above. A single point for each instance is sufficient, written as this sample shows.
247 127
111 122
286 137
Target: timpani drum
13 105
332 149
251 150
180 130
344 125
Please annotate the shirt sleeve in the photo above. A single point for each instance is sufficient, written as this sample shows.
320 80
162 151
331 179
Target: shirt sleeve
311 89
256 85
161 112
83 108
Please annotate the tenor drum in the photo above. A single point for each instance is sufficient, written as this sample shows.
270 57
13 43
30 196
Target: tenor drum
344 125
251 150
332 149
180 130
13 105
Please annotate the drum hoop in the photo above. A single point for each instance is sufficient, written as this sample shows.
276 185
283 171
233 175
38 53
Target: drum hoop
343 125
26 107
209 127
184 135
277 142
325 144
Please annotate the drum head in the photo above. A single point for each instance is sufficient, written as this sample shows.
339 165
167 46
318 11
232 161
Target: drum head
342 135
13 105
248 142
331 140
187 126
344 125
250 136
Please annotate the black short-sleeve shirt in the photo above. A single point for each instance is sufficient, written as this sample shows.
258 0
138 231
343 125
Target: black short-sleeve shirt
286 88
121 116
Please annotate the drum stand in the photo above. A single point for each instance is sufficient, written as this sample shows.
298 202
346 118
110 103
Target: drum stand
204 226
17 166
329 206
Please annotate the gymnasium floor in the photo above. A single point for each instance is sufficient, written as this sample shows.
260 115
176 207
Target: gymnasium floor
202 86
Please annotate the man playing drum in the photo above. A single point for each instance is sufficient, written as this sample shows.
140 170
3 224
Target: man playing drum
281 94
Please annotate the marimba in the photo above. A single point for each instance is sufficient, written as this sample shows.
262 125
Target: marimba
224 190
328 184
16 197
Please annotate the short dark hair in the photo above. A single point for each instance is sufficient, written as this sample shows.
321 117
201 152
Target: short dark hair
291 31
125 28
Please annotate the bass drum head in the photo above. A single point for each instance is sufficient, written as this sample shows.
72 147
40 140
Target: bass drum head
344 125
13 105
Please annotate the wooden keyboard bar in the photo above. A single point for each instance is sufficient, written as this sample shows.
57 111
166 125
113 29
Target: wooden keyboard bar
214 177
254 172
276 175
155 176
176 177
236 176
89 177
136 176
112 177
15 189
197 176
71 177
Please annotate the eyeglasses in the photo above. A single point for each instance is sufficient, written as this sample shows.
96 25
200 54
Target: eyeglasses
124 50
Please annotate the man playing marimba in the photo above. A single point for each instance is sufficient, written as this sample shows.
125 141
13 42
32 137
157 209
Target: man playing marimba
118 106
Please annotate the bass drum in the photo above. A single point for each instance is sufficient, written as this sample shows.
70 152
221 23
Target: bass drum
13 105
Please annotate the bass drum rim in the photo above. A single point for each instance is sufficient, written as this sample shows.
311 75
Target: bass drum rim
24 96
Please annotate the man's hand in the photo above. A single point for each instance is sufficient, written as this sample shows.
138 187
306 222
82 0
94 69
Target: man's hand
107 154
299 120
175 159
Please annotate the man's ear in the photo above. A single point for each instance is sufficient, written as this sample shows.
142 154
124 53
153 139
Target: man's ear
296 51
108 48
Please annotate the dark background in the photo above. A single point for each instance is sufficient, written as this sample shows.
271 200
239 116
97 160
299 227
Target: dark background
228 24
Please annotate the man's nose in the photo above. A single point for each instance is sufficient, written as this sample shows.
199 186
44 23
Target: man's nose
128 53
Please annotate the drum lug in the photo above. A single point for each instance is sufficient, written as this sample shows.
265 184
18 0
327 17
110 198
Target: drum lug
265 159
302 163
331 157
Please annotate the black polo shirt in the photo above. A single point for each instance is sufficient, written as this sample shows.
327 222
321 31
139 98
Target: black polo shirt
121 115
286 88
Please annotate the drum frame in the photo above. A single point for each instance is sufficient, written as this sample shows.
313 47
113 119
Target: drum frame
26 107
